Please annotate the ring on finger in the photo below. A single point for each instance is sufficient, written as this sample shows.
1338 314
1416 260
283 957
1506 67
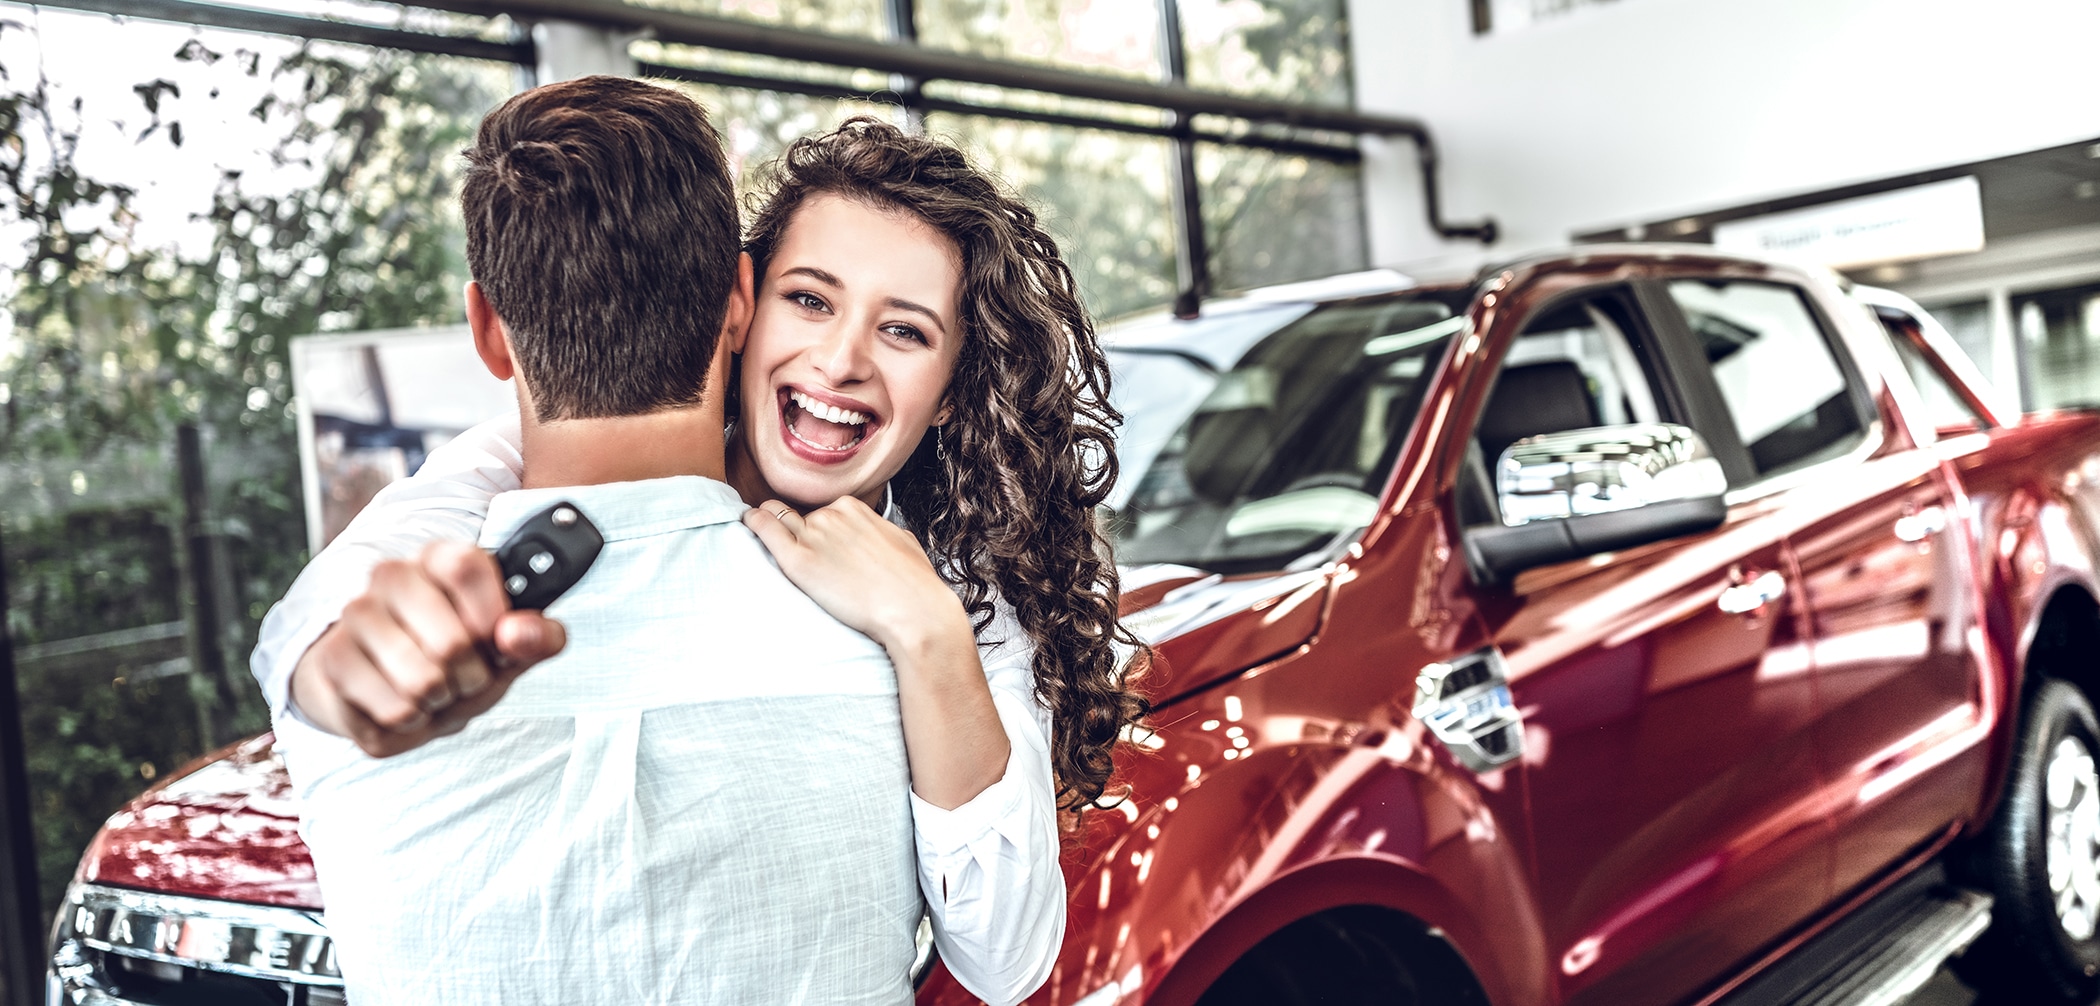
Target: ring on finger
782 513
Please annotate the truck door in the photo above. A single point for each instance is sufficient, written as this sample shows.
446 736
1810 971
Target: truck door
1666 695
1879 561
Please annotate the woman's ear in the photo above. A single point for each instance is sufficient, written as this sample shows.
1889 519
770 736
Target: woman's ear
491 336
736 320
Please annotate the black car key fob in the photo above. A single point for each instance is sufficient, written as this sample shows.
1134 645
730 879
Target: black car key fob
546 556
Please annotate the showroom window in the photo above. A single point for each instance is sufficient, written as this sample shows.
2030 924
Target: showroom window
223 192
2059 340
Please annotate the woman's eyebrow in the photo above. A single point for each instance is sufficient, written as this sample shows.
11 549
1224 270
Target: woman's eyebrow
905 305
814 273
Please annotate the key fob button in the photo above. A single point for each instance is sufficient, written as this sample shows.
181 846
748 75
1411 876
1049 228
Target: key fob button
541 562
516 584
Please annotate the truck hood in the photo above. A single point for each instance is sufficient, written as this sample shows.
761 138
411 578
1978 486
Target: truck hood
1205 627
228 828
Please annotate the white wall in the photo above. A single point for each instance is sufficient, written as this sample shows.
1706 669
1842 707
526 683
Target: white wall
1637 110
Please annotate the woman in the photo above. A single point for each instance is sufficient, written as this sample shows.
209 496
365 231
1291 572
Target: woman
918 350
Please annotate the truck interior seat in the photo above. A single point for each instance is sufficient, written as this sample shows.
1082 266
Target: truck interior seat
1528 400
1533 399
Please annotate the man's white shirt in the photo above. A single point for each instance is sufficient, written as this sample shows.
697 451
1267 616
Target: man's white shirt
988 868
683 807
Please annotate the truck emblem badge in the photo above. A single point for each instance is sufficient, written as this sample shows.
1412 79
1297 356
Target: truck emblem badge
1466 703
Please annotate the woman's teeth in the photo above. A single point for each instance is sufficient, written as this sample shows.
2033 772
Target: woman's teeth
828 413
823 427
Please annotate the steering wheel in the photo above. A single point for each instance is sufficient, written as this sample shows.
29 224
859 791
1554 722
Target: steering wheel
1345 480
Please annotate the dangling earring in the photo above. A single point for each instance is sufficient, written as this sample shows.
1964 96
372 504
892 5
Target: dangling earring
940 446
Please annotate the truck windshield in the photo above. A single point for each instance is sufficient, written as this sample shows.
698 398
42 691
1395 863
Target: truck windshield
1280 461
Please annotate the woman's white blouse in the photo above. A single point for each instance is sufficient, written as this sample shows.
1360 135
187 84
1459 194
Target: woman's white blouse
988 869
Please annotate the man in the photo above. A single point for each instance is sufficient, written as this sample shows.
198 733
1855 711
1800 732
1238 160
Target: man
643 819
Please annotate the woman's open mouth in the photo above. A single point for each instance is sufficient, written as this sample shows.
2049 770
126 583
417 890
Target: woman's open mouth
825 432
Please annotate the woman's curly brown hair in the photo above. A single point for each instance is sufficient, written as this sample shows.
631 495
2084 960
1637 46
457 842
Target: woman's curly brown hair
1003 496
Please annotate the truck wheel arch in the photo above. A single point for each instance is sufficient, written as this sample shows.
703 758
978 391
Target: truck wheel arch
2062 639
1357 890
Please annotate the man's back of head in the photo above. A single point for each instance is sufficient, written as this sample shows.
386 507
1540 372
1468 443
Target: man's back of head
602 228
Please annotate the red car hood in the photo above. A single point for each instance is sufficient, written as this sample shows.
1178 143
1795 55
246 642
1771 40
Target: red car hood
1205 627
227 829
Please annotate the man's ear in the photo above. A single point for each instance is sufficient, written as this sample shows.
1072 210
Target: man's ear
743 296
491 336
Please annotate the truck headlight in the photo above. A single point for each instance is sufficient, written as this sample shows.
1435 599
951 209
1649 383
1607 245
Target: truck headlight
111 946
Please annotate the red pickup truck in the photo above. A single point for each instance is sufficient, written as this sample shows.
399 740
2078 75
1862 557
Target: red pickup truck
1630 625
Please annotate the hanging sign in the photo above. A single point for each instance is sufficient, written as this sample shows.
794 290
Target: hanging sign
1938 218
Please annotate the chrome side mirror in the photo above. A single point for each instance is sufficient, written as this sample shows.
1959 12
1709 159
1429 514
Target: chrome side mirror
1604 469
1581 492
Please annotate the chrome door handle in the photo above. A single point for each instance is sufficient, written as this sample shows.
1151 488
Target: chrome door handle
1917 527
1746 598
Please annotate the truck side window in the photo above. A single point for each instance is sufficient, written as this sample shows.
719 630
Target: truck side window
1775 369
1948 410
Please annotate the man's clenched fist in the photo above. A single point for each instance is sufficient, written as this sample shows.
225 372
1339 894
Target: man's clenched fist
429 645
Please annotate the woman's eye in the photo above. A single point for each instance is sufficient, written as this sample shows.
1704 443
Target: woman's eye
905 332
809 301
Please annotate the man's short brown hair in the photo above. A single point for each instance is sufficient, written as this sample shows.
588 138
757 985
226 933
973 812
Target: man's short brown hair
602 227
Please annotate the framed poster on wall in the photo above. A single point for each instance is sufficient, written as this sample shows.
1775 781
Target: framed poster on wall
373 405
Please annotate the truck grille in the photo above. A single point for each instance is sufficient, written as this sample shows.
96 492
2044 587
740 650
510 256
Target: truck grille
116 947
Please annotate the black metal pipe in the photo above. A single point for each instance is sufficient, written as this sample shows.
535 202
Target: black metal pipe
270 23
21 904
1484 232
1336 153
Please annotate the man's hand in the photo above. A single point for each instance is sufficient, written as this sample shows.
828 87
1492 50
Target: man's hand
429 645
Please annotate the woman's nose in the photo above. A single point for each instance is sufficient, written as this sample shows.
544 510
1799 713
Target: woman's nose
842 355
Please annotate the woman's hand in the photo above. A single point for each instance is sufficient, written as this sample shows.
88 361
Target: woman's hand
873 576
867 572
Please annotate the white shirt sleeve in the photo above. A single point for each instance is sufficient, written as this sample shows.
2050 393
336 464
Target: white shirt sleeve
989 868
447 498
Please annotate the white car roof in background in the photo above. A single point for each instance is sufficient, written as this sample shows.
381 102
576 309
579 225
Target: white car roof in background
1227 329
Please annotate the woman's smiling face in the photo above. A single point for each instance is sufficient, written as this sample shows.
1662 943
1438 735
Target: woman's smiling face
848 356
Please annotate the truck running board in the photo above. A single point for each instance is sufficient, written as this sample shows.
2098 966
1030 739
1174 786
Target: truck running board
1880 954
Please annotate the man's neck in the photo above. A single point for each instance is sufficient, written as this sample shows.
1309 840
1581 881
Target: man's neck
582 452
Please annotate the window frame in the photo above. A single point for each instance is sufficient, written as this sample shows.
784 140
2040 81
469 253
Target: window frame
1918 330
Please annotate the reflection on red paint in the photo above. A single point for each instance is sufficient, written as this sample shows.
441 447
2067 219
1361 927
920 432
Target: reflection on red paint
227 830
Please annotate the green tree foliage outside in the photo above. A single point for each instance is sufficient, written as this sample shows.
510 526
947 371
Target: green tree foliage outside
113 344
